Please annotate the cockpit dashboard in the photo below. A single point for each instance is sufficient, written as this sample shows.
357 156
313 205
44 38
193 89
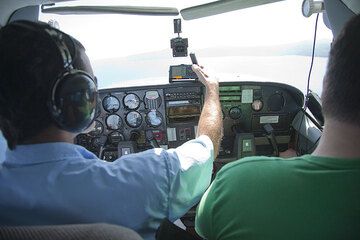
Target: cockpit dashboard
134 119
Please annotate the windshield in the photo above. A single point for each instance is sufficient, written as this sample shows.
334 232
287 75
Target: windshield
272 42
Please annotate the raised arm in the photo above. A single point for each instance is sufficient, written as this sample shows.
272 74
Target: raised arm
210 123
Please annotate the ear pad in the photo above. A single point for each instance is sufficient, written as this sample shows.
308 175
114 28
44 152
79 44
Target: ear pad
73 101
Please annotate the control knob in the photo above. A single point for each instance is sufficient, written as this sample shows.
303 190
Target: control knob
235 113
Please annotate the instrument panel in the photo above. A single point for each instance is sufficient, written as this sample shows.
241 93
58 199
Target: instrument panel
132 119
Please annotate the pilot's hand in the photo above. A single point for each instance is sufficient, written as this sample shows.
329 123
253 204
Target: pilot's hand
288 153
210 122
208 81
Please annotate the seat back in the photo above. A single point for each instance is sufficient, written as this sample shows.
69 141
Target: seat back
68 232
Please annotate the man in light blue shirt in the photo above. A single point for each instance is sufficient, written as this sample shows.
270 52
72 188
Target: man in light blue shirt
46 179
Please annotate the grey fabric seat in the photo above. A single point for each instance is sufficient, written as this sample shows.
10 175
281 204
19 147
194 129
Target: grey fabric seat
68 232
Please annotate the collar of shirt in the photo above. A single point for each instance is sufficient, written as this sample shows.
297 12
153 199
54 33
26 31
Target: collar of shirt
46 152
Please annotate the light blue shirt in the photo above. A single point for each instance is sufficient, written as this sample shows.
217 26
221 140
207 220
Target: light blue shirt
62 183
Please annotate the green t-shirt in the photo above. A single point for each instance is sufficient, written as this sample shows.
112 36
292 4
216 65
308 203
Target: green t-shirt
304 197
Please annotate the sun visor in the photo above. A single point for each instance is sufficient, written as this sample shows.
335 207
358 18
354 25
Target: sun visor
134 10
218 7
339 13
353 5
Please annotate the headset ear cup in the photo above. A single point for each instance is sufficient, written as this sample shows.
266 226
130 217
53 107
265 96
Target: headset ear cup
73 101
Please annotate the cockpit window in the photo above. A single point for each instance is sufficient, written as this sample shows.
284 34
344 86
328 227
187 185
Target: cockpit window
272 42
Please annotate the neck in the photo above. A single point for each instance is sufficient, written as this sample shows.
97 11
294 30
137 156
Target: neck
52 134
339 140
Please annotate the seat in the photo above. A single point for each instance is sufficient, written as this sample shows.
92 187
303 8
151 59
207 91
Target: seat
169 230
68 232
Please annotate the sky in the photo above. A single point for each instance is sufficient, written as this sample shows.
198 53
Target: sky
113 36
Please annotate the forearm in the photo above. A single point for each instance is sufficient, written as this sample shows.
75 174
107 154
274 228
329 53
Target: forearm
210 122
191 165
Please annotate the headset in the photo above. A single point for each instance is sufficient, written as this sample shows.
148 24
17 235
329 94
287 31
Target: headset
73 94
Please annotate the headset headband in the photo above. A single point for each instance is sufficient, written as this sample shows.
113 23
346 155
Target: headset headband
57 37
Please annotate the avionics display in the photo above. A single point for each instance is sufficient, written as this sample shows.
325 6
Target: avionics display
181 72
184 111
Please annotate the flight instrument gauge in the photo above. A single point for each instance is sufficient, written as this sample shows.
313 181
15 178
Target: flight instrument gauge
154 118
111 103
131 101
98 129
133 119
152 99
113 122
257 105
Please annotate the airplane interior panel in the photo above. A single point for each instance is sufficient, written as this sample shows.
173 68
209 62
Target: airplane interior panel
256 118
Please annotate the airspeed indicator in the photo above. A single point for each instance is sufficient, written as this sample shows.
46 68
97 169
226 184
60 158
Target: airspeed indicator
131 101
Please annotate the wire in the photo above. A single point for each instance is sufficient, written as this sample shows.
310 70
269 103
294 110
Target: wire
312 62
308 84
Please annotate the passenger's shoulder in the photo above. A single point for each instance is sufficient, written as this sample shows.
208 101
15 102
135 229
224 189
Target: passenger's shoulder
261 164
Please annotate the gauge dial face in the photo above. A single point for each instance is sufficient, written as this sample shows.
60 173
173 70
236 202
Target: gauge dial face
131 101
133 119
111 104
113 122
257 105
98 129
154 118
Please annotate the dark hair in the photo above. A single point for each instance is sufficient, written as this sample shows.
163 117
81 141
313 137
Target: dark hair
29 63
341 93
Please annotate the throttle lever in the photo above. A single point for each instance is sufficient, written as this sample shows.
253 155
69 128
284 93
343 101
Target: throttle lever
271 137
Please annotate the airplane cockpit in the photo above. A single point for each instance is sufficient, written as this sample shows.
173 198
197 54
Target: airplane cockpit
157 101
270 57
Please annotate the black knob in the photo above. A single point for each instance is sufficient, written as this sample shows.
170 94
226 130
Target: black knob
235 113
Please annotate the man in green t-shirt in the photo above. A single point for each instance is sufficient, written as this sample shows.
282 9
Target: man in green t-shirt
309 197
